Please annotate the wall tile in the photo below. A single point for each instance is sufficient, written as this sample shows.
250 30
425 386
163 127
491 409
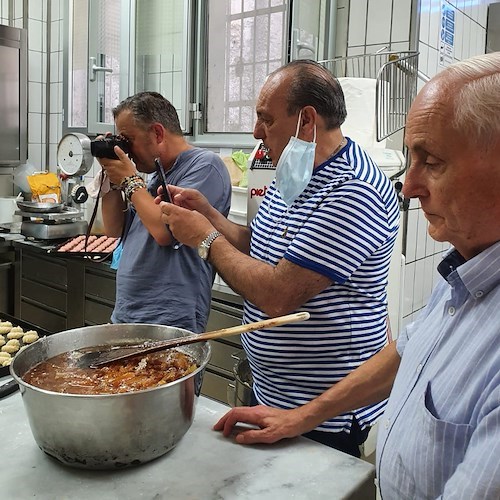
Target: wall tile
421 236
378 29
434 26
357 22
418 285
55 97
466 38
55 27
423 58
56 10
35 152
411 235
55 67
35 9
409 284
425 16
482 16
400 20
35 68
35 97
433 62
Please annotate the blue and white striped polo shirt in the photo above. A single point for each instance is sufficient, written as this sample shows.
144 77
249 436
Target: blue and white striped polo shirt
342 226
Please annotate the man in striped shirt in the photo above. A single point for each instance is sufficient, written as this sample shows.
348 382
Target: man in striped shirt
440 434
321 242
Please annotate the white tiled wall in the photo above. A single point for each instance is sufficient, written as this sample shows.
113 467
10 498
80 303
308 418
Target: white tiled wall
375 24
422 252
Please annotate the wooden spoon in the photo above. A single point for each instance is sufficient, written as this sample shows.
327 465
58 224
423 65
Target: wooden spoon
98 358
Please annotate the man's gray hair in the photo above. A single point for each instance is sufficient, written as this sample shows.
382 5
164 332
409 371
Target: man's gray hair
477 103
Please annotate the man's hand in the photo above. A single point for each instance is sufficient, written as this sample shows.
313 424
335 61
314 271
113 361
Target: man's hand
190 199
188 226
274 424
117 170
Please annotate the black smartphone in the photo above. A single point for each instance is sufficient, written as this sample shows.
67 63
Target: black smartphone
165 195
163 179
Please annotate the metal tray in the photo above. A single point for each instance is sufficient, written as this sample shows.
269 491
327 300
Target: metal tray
40 208
4 370
92 255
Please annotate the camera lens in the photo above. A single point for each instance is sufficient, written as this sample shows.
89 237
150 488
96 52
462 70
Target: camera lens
104 148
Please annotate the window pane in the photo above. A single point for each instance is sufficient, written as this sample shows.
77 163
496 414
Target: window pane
108 56
161 55
78 63
245 43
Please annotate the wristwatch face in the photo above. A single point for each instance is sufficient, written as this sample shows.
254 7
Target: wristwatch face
203 250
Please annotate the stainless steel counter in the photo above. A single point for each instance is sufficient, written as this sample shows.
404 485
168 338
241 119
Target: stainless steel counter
204 465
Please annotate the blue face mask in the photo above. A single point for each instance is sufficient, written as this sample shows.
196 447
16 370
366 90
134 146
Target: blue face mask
295 166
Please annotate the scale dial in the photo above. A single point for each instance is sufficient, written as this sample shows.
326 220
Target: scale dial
79 194
73 154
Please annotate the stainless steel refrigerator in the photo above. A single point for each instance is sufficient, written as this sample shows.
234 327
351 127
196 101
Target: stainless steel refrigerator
13 96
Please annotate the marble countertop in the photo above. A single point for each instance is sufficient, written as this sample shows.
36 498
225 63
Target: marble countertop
203 465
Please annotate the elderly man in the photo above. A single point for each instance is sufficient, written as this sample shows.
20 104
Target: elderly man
440 434
321 242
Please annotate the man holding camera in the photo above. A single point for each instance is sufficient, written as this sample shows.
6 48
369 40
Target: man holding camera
156 281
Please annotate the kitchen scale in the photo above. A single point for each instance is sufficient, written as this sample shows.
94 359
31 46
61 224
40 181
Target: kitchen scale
48 221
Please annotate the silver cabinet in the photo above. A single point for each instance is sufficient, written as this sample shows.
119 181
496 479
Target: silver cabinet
219 380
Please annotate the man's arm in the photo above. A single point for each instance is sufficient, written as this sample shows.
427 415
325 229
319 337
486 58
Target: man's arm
368 384
276 290
192 199
144 204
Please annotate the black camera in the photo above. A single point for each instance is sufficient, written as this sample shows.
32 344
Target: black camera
104 148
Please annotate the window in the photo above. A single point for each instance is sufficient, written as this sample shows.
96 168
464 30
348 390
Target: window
246 41
208 57
96 63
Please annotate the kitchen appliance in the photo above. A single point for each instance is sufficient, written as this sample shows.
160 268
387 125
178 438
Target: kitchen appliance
13 96
74 159
109 431
46 221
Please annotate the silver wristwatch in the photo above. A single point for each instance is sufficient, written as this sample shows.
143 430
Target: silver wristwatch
204 246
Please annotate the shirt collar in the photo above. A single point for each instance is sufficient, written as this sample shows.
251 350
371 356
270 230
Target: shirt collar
479 274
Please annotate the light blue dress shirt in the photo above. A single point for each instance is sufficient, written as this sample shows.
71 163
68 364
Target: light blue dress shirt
440 434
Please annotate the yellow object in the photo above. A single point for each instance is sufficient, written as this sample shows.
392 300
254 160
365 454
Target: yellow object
45 187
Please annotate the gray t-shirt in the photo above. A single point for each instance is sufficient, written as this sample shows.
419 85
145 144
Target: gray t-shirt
161 285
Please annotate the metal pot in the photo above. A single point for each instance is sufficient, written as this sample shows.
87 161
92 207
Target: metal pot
109 431
240 393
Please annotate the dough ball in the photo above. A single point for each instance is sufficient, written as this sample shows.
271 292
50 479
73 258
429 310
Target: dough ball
29 338
5 329
15 334
6 362
11 349
2 340
3 355
13 342
6 323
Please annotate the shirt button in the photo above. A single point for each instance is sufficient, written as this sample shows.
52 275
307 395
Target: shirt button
387 423
479 294
419 368
451 310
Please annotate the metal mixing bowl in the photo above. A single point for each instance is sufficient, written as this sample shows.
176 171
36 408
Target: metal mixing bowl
109 431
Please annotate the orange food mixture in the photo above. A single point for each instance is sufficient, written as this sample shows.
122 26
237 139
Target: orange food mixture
61 373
